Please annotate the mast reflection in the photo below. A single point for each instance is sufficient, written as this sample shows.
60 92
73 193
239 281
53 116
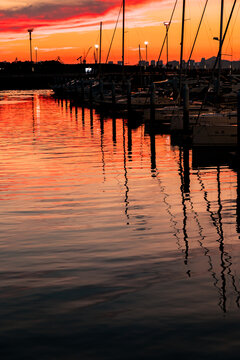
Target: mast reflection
225 258
102 145
125 174
186 177
185 189
238 201
33 119
129 141
183 157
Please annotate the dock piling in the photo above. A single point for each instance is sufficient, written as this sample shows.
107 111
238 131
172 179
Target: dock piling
101 89
129 100
238 124
186 109
113 94
90 92
152 102
82 89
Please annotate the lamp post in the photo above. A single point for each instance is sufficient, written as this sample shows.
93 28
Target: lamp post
96 47
167 23
36 54
146 44
30 41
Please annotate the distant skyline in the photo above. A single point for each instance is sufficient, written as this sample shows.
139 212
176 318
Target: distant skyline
69 29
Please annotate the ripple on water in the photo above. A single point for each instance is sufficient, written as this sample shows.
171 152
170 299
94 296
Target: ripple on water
105 255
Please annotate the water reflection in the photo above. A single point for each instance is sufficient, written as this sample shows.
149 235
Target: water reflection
91 120
114 133
102 146
108 231
238 201
153 149
129 130
76 114
33 118
125 174
184 175
83 117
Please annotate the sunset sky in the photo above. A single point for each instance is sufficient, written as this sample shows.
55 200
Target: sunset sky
69 28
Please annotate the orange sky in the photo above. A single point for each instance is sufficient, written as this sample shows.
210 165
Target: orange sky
70 30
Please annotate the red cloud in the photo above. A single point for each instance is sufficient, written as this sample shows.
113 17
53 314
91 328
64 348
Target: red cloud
44 15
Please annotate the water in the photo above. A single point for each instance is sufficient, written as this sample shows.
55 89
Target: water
108 249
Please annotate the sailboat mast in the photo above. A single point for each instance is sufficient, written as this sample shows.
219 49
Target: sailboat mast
123 33
182 39
220 47
100 45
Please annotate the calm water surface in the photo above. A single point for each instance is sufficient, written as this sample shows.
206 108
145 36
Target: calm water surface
109 248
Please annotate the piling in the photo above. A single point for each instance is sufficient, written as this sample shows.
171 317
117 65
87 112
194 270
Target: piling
90 92
152 102
75 87
101 89
82 89
113 94
238 125
129 100
153 149
186 109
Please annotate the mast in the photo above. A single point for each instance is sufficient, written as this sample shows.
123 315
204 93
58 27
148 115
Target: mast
181 53
100 44
123 33
196 36
220 47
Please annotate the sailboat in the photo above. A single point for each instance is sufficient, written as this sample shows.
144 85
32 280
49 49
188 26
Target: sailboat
217 129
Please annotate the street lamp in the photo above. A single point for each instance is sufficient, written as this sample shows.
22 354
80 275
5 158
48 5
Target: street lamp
96 47
167 24
30 40
146 44
36 50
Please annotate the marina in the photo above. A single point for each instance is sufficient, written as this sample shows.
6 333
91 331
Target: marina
120 180
113 238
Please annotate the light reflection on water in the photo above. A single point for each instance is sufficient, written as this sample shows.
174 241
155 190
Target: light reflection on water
112 245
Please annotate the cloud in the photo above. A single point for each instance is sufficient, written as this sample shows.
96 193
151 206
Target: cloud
17 16
57 49
56 10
